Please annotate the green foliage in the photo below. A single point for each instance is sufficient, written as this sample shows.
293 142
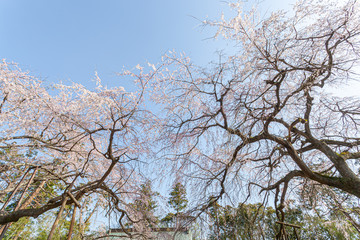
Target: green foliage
177 198
146 200
39 229
145 204
254 221
19 229
244 222
177 201
168 219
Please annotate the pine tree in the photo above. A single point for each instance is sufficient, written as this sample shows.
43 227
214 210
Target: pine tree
177 198
145 204
177 202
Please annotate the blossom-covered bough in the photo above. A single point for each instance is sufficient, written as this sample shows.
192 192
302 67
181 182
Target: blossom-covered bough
258 121
61 143
263 116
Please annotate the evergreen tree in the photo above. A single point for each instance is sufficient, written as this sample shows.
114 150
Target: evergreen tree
254 221
144 205
177 198
177 202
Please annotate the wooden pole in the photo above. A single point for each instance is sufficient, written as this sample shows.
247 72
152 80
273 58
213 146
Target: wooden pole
6 227
58 217
72 223
15 190
66 197
33 195
25 189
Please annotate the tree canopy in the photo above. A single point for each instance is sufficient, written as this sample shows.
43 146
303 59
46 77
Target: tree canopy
258 124
64 142
261 119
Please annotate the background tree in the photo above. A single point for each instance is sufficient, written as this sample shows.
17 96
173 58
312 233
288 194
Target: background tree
143 210
254 221
177 199
29 228
178 202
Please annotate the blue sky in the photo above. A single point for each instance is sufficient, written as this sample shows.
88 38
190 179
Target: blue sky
70 40
61 40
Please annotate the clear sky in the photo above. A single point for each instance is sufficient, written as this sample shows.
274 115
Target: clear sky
70 40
